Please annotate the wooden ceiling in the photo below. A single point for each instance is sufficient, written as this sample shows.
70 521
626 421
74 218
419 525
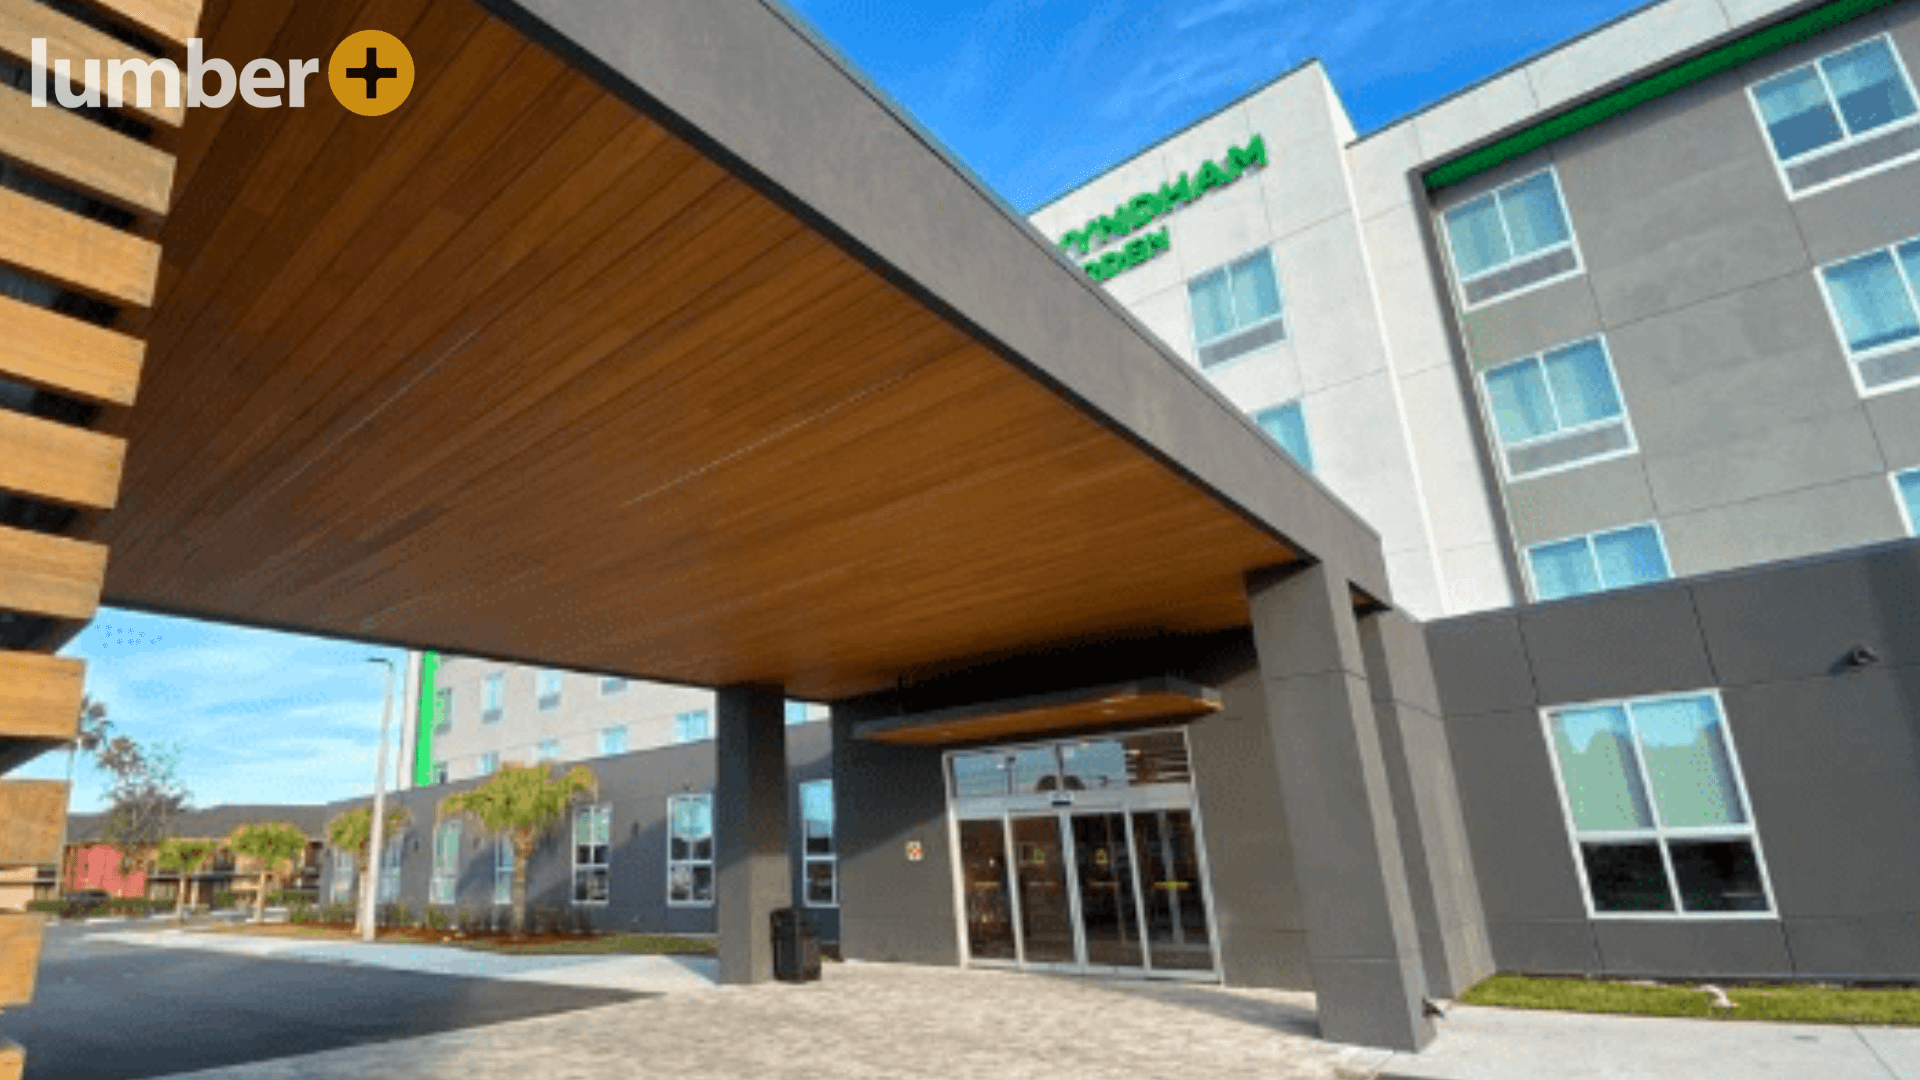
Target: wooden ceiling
1136 704
514 371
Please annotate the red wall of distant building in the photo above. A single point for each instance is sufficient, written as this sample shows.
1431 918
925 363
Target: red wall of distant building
98 867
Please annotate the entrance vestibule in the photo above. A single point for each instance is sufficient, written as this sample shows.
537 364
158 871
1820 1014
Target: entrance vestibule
1083 856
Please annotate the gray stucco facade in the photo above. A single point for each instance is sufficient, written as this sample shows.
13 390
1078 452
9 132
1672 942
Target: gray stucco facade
635 788
1827 750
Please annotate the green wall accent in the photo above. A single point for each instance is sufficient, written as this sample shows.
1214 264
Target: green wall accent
427 715
1725 58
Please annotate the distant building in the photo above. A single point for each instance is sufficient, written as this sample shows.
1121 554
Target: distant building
91 864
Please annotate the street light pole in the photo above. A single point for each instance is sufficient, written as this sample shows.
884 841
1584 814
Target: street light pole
376 827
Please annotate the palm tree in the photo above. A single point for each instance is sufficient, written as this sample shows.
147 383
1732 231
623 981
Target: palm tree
521 802
273 844
187 857
353 831
94 731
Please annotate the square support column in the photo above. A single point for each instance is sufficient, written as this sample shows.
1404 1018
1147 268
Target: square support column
1362 942
753 874
1454 947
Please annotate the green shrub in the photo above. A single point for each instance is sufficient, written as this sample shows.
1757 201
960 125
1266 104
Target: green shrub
435 919
47 907
225 898
394 914
338 912
302 911
289 897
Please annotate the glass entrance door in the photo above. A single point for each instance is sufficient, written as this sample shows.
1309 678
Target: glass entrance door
1083 857
1109 893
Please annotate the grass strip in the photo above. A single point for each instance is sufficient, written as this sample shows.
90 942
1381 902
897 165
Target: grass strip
1798 1003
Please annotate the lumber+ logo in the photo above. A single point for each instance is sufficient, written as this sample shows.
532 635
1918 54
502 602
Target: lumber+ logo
370 73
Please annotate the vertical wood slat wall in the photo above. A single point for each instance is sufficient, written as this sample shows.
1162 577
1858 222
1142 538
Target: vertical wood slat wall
80 201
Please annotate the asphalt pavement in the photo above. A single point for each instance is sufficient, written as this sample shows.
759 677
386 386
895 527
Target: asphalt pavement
111 1011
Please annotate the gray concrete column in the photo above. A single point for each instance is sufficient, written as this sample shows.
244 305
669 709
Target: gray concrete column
1454 947
752 866
1362 944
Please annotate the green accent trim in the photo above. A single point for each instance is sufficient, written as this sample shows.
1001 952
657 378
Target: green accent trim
427 714
1674 79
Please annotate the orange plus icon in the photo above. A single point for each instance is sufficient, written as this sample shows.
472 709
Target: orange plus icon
371 73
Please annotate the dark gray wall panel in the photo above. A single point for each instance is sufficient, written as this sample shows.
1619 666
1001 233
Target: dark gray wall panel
1833 770
884 796
1744 948
1544 947
1882 946
1515 826
1806 617
1480 665
1643 641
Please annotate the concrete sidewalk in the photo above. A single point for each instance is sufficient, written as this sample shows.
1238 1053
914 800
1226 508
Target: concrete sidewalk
641 974
1512 1044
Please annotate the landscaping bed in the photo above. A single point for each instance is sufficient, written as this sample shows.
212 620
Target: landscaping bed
490 940
1814 1003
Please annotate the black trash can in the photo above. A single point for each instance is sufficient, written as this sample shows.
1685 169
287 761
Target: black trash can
796 947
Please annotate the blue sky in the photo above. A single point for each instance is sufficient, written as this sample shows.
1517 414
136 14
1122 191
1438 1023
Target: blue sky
1036 96
1039 95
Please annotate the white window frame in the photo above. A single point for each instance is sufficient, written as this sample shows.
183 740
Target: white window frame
503 865
708 728
1279 290
1847 138
1659 535
445 883
547 750
489 763
604 739
1907 513
493 688
543 701
1298 404
598 810
611 685
807 858
392 855
1659 834
345 873
1500 447
1854 359
712 841
1461 282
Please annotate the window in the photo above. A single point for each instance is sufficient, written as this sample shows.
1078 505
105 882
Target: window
503 871
1557 410
446 863
1875 301
548 750
1288 426
342 880
1236 309
611 685
439 772
1654 802
690 849
442 712
693 726
491 692
489 764
1907 486
1848 113
592 853
1512 239
797 713
816 823
547 689
1596 563
391 849
613 740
